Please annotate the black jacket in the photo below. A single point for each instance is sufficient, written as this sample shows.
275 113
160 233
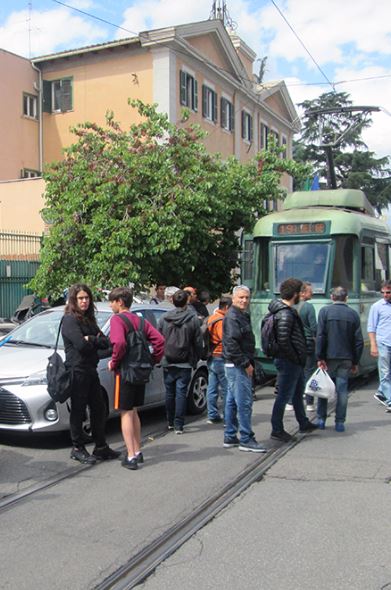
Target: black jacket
238 338
289 332
187 320
339 333
80 354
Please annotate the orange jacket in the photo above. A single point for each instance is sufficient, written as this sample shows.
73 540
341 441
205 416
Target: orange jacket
216 331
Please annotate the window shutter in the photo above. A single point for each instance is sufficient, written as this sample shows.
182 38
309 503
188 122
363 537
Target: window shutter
214 101
195 95
204 101
223 111
47 97
182 88
231 117
250 125
243 124
66 95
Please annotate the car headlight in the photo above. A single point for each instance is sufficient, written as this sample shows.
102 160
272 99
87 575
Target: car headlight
36 379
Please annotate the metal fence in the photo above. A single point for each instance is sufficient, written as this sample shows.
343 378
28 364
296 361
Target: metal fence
19 260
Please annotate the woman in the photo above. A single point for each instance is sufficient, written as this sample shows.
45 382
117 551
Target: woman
82 339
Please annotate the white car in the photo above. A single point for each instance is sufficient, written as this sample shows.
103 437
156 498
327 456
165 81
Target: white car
25 404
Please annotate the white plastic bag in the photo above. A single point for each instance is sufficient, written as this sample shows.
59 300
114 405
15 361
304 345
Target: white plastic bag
320 384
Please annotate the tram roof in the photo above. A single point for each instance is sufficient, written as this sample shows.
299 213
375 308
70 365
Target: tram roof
344 198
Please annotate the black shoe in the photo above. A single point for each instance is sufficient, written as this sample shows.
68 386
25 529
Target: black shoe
229 443
130 463
140 458
82 455
217 420
309 427
105 453
282 436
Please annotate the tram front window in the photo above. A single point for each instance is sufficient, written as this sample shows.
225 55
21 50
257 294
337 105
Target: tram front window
307 262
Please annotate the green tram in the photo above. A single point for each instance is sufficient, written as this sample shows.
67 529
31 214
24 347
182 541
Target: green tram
328 238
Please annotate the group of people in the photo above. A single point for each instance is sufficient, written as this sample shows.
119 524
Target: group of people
334 342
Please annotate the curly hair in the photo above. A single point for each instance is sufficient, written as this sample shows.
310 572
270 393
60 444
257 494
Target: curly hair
72 307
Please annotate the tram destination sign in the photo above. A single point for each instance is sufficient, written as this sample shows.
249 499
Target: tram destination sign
300 229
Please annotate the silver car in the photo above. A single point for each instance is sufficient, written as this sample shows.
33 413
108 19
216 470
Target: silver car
25 404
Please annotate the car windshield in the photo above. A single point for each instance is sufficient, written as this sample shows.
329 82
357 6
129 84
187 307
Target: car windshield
42 329
304 261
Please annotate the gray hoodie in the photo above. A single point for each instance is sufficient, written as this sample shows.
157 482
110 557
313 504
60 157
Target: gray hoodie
185 320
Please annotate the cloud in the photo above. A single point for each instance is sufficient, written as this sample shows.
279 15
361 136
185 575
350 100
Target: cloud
39 33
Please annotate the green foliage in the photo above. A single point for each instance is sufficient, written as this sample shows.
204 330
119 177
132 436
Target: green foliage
150 204
355 166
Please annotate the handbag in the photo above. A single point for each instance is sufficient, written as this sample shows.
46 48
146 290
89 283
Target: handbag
59 378
321 385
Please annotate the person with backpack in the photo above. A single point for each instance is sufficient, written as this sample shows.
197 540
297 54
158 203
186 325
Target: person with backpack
289 350
130 380
182 350
83 341
216 371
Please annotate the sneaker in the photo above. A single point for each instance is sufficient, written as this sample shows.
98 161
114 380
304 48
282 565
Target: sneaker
310 408
253 446
309 427
229 443
140 458
178 430
381 398
130 463
105 453
340 427
282 436
321 424
289 407
82 455
170 427
216 420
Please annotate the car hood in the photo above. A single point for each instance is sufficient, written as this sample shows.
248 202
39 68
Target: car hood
22 361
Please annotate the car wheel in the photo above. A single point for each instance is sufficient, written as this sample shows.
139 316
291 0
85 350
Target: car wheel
196 398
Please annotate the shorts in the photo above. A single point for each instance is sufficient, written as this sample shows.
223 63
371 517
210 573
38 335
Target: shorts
128 395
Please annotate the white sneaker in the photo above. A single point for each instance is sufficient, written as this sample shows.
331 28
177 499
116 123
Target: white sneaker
289 407
310 408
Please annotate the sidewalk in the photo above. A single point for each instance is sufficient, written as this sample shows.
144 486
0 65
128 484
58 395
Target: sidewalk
321 511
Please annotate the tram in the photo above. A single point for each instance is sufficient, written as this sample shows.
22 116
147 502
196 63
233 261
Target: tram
329 238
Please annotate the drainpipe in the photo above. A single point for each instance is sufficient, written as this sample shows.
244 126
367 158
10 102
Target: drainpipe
40 120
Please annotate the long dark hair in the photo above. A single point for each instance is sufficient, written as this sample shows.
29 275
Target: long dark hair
72 307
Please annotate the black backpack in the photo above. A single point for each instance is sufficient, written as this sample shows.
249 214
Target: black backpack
269 343
59 378
177 343
208 346
137 364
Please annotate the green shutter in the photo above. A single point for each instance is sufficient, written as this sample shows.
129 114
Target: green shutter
243 124
250 120
231 116
182 87
223 110
214 104
47 97
66 95
204 101
195 95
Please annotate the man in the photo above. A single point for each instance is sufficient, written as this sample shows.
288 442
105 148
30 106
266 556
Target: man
169 292
193 304
182 350
290 358
159 294
238 353
216 370
379 332
339 345
129 396
307 315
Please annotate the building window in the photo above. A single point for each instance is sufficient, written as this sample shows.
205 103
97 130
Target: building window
209 104
264 136
188 91
57 95
227 114
30 106
247 126
27 173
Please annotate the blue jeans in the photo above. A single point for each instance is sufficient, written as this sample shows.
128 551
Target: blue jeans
216 377
384 368
339 372
239 404
176 381
290 386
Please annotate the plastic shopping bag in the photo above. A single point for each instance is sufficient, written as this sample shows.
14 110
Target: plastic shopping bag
320 384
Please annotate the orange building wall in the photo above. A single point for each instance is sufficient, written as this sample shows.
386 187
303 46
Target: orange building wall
20 204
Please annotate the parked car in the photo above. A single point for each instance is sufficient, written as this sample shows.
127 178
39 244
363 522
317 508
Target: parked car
25 404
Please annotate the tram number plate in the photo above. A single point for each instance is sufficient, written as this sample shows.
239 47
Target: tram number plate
301 228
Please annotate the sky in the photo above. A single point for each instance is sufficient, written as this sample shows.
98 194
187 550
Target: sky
347 43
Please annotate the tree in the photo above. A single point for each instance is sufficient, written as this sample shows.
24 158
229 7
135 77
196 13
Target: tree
150 204
355 166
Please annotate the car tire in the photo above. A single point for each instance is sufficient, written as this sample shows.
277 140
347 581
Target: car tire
196 397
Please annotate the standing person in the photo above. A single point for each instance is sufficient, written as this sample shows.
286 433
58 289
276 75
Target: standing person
82 340
339 346
307 315
128 396
216 369
169 292
159 294
239 353
379 332
182 350
290 360
193 304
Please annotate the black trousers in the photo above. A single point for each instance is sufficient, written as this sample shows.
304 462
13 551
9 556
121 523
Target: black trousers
86 391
